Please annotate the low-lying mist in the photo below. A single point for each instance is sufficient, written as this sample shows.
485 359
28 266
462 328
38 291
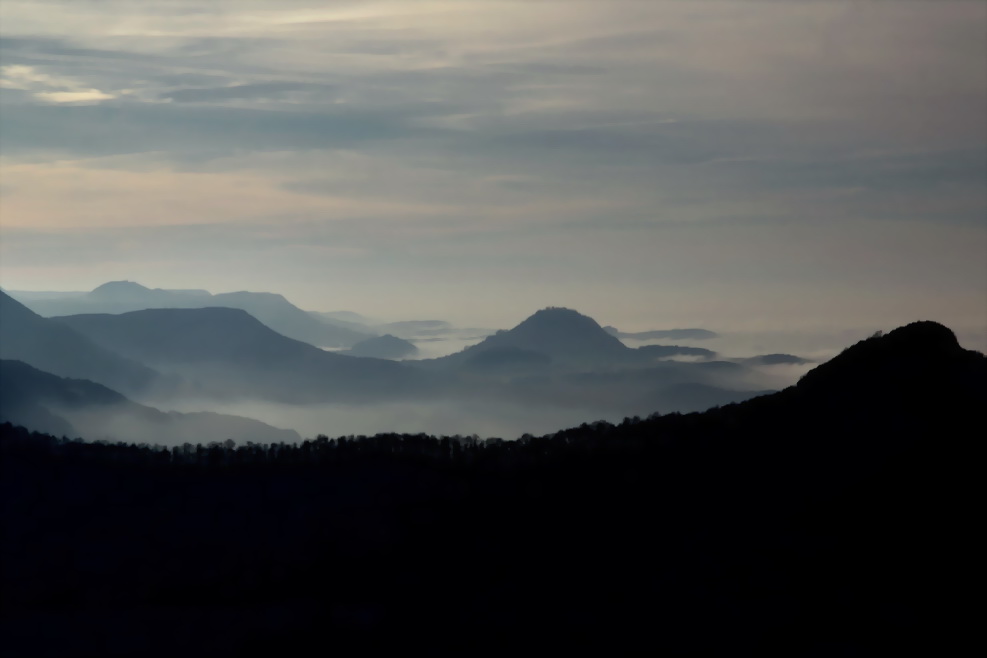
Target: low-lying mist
486 419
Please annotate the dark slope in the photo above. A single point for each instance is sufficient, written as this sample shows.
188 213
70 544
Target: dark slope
271 309
830 519
228 353
383 347
917 352
78 407
56 348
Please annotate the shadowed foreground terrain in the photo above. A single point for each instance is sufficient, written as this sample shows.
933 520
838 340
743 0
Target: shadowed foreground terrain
817 521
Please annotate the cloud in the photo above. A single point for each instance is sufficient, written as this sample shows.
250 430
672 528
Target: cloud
260 90
628 146
49 88
86 96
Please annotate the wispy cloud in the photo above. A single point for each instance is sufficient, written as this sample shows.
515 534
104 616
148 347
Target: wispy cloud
49 88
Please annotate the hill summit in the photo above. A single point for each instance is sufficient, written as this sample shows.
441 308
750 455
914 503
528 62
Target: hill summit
920 351
120 289
559 335
561 332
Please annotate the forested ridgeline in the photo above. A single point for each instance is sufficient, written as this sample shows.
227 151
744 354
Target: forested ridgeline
817 521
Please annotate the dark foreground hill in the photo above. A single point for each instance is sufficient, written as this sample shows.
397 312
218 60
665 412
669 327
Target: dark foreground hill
227 353
824 520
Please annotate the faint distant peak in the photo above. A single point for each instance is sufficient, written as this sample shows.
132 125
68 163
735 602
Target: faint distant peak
245 295
118 288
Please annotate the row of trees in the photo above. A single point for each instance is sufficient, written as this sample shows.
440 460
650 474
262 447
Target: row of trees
452 449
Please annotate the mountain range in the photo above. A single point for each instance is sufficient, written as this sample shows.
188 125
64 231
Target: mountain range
556 359
226 353
123 296
56 348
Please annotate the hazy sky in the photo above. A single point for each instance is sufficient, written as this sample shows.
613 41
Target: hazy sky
736 164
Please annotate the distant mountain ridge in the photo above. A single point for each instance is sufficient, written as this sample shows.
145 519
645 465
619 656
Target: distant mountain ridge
271 309
227 353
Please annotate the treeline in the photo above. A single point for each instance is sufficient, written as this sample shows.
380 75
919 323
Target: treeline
818 521
588 438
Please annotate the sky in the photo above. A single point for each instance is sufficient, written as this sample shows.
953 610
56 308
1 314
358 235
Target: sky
733 165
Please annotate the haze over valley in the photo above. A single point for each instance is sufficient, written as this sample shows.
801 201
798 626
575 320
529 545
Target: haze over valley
184 351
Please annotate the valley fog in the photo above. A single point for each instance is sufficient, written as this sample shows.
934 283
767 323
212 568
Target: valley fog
509 419
486 419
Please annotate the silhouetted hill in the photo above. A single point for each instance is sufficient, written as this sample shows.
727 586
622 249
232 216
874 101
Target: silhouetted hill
828 519
124 291
565 336
663 334
53 347
120 289
383 347
228 353
560 358
78 407
920 350
271 309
